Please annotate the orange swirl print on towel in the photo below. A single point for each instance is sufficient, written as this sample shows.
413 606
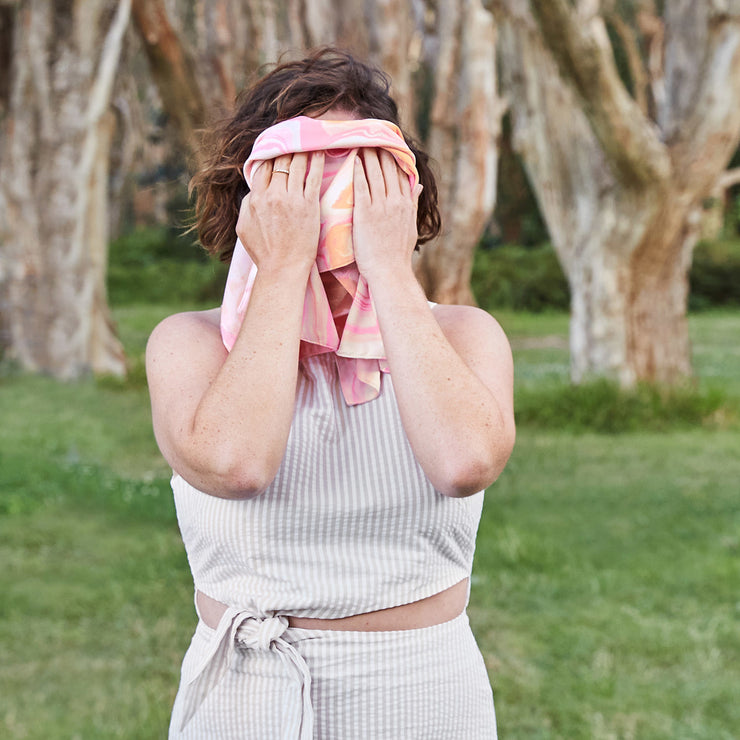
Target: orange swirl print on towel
338 311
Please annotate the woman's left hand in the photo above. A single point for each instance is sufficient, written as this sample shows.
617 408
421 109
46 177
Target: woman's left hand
384 221
451 367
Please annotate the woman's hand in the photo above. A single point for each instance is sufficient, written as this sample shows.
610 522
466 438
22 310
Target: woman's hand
279 218
451 368
222 419
384 222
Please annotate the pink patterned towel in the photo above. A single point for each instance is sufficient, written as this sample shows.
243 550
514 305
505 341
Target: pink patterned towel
338 312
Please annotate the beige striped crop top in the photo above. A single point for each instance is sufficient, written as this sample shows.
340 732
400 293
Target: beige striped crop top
349 525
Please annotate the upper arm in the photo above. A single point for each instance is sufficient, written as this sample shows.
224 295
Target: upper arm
481 343
183 356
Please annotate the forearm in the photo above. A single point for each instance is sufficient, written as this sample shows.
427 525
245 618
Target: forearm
240 428
459 433
222 419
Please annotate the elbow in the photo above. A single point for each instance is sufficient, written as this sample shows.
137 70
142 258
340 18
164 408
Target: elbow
464 477
242 484
236 481
473 471
233 470
222 467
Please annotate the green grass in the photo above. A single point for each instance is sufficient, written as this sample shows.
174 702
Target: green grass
605 595
606 586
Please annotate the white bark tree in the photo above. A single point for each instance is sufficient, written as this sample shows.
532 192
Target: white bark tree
56 84
452 43
464 126
620 179
57 132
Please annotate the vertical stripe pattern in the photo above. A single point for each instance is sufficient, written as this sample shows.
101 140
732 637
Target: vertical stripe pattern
423 684
349 525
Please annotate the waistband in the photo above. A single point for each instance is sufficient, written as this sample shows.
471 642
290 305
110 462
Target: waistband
242 630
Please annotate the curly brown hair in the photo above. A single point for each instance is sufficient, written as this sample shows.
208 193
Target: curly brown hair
327 78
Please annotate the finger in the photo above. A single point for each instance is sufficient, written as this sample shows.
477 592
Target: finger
405 184
416 193
281 170
361 187
243 216
390 172
261 176
373 173
244 205
315 175
297 167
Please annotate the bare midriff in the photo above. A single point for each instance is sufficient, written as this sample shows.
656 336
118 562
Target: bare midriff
436 609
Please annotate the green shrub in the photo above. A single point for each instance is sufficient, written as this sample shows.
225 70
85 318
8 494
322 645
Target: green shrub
146 245
166 281
715 274
531 279
518 278
602 406
160 265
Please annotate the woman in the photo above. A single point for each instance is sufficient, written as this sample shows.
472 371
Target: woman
328 474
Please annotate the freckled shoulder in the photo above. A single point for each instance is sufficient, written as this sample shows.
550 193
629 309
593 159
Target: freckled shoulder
190 334
187 322
468 323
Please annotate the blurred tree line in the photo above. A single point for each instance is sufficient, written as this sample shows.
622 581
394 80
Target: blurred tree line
607 127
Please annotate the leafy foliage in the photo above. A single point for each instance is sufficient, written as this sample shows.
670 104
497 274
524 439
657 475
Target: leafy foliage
715 274
162 265
531 279
602 406
520 279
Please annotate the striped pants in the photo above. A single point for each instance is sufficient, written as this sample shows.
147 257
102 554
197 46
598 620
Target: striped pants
262 680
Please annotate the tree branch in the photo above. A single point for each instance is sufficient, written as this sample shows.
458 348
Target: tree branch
729 178
652 28
173 70
628 138
634 60
98 106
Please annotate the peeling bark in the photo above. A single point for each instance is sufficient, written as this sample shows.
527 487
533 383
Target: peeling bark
172 68
466 113
622 193
465 122
54 189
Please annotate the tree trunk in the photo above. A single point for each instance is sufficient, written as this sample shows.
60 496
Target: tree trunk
628 317
465 122
458 49
173 70
622 194
54 188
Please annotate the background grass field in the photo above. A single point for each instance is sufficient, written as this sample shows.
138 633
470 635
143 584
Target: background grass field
605 595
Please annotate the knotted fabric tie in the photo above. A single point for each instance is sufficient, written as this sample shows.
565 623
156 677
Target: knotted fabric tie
336 293
242 630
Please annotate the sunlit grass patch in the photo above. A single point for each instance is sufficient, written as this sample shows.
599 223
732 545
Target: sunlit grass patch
605 586
602 406
95 616
605 592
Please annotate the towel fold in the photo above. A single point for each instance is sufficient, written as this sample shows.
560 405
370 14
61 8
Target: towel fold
338 311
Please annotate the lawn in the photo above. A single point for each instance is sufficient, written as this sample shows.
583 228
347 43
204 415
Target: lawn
605 594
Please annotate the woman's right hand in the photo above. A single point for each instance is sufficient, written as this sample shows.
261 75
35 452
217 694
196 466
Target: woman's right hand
279 218
222 419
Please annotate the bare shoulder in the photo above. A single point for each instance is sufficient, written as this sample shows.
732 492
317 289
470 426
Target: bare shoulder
466 324
191 336
185 326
